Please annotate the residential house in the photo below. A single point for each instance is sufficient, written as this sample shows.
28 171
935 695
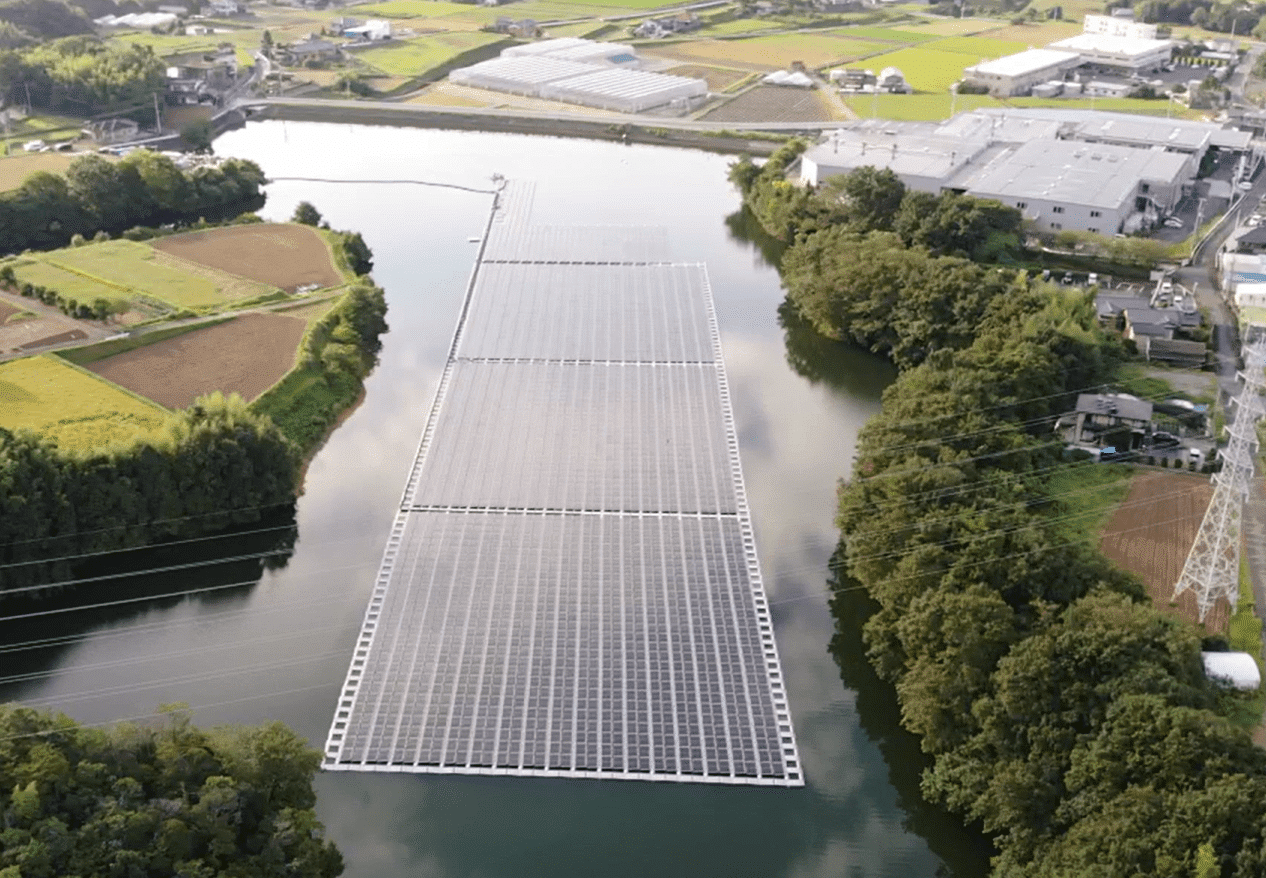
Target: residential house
1173 351
1116 419
311 49
224 8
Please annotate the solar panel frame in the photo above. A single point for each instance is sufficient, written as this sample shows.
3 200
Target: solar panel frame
699 692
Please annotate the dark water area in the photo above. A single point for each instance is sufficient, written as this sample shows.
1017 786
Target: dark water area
278 646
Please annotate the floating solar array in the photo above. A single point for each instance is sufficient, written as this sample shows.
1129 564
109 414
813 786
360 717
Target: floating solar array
570 587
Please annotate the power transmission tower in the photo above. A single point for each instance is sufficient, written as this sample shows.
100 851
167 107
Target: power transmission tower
1213 566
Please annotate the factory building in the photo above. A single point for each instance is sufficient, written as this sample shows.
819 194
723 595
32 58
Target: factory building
1018 74
1062 169
1118 54
1062 184
922 161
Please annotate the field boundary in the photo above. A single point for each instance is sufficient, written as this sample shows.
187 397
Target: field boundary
132 393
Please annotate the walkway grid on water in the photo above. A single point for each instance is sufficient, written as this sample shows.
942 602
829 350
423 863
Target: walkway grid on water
570 587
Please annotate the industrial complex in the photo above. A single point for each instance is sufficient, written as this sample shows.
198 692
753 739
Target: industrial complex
1109 47
1062 169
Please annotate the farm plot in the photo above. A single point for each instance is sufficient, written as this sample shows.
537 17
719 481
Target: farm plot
283 255
927 68
246 355
771 53
772 103
416 56
77 410
1151 533
718 78
979 47
125 270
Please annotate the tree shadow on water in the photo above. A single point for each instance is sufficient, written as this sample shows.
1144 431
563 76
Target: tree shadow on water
964 850
217 571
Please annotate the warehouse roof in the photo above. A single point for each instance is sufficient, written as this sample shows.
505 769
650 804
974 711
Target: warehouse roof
572 49
1170 133
1070 172
1105 44
906 154
528 70
1030 61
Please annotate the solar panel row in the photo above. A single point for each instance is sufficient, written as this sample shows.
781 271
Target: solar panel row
571 585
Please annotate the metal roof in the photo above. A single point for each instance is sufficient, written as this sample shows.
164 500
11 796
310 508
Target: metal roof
1120 405
1072 172
1021 63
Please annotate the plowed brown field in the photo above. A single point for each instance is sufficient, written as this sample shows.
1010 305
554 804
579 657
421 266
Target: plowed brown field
246 355
1151 534
283 255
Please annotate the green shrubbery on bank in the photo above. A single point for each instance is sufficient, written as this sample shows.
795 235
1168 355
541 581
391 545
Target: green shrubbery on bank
169 801
1061 711
336 354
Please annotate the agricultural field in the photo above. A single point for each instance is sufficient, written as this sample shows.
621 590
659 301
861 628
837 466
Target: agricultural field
772 103
421 54
719 79
123 271
280 255
77 410
1038 34
17 167
769 53
927 68
245 355
1151 534
980 47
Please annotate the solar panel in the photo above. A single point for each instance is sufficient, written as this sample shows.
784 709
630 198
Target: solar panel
571 587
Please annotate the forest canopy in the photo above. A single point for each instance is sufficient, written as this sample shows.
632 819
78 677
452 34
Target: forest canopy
1061 711
157 800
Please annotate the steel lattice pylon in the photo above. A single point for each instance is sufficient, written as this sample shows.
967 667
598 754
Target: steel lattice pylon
1213 565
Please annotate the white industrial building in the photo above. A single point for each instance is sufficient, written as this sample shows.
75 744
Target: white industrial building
519 75
922 161
626 91
585 72
1112 26
1064 169
1062 184
576 49
1126 54
1017 74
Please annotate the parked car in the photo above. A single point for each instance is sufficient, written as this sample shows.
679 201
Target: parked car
1173 223
1067 279
1161 439
1245 185
1092 279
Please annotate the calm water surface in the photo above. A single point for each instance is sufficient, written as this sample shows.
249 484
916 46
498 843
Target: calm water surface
278 647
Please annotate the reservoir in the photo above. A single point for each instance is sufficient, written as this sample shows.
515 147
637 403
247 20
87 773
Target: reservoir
277 646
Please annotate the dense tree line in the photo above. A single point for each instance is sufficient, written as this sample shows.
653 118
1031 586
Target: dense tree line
142 189
214 465
1061 711
168 801
82 75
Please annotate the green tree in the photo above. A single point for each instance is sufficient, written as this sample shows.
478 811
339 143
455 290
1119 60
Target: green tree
197 135
307 214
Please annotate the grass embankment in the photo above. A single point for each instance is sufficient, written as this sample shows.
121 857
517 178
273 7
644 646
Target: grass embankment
75 408
1244 633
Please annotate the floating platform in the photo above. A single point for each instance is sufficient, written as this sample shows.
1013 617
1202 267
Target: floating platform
571 587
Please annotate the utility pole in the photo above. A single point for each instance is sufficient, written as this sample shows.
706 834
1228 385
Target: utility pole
158 118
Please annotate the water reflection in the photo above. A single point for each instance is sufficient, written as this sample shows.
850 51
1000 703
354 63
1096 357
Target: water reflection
964 851
743 226
40 633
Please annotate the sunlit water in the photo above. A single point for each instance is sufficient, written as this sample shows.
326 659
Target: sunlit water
279 649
